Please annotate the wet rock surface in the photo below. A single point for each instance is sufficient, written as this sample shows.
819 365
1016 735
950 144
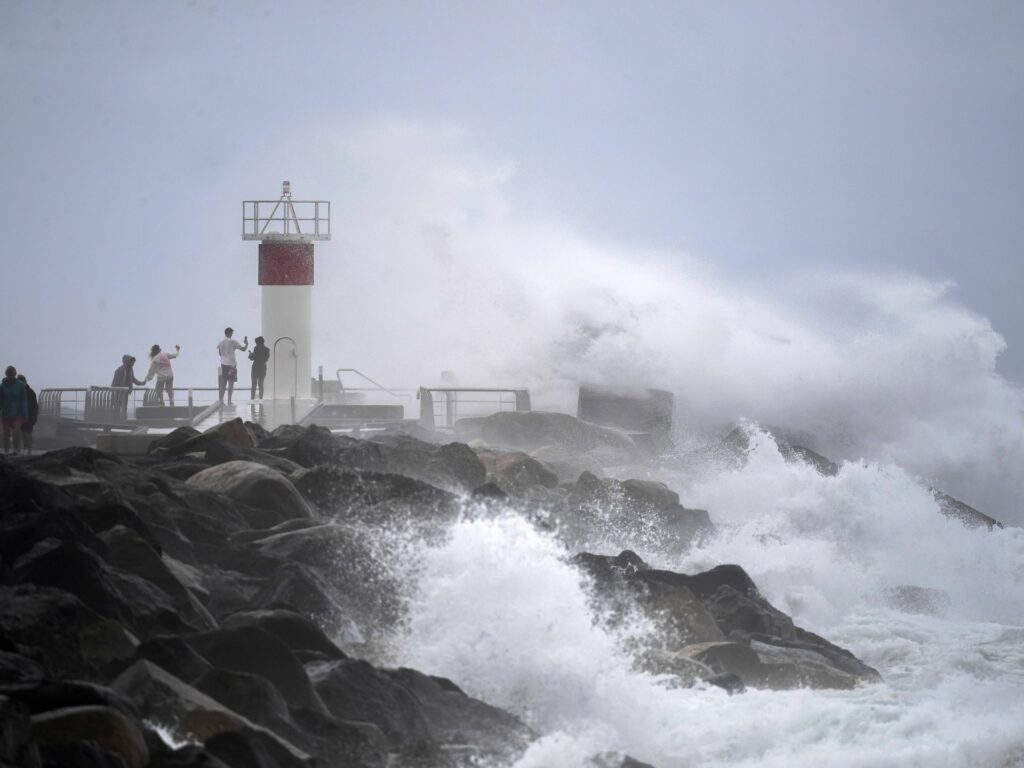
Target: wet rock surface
720 619
230 586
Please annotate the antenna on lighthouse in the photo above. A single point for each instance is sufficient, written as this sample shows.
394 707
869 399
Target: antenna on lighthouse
287 229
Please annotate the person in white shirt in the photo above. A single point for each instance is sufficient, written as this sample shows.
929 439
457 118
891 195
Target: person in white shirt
226 348
160 366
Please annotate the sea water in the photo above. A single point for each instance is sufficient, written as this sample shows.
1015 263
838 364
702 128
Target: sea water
496 606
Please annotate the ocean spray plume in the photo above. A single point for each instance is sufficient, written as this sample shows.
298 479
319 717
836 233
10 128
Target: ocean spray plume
444 273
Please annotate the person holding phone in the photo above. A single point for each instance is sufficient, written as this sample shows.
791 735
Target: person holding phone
226 348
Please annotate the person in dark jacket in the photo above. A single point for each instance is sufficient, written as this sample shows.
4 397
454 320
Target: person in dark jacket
124 376
260 355
13 408
33 414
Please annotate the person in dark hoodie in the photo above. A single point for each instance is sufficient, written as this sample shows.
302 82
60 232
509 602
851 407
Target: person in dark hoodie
33 415
13 408
259 356
124 376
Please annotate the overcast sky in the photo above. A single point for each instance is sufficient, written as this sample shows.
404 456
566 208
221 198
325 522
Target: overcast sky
763 138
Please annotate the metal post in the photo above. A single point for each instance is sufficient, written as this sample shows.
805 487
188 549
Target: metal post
320 377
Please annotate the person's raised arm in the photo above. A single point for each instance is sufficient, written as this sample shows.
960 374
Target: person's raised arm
175 353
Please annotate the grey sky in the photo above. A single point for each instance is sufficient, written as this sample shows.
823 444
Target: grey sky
763 137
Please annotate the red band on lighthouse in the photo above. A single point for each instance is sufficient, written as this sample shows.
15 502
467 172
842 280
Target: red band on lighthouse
286 263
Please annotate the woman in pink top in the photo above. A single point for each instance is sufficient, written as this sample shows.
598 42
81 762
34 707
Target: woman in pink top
160 366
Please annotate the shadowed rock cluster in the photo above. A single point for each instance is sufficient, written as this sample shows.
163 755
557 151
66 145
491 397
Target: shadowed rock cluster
214 603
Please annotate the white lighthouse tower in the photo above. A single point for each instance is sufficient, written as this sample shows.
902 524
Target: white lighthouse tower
287 229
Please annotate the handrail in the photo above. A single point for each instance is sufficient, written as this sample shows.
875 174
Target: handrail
451 402
362 375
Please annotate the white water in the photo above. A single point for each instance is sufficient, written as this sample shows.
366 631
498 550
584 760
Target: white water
498 609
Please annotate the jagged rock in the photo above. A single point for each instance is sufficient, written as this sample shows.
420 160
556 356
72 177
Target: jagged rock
132 554
256 748
55 629
257 433
16 746
104 727
251 696
453 467
173 439
373 497
965 513
221 452
232 432
912 599
251 649
102 517
163 698
342 744
615 760
516 472
355 690
307 446
344 558
301 588
22 526
256 486
174 655
642 514
18 672
291 628
458 719
109 591
750 637
680 618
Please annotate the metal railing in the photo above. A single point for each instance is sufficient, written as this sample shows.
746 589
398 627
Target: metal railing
441 407
398 393
71 404
288 219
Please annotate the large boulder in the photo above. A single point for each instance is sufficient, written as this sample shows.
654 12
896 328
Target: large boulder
373 498
458 719
173 654
309 446
188 714
720 619
355 690
221 452
16 746
56 630
18 672
131 553
516 472
62 730
300 588
109 591
291 628
253 650
453 467
641 514
345 558
257 487
232 431
256 748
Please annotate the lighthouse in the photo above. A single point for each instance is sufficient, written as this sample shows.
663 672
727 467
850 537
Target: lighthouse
287 230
